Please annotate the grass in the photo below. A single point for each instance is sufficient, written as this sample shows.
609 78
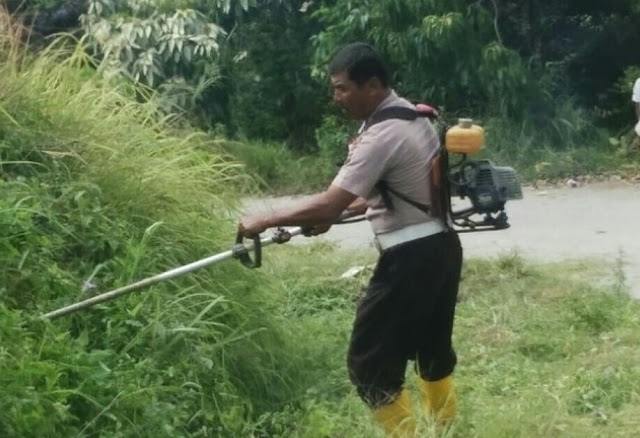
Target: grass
541 351
570 148
279 171
94 184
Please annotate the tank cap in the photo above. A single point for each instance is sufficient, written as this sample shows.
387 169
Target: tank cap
465 123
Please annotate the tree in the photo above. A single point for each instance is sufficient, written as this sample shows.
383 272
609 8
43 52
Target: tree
273 95
157 45
443 52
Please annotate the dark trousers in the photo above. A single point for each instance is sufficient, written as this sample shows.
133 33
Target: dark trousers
406 314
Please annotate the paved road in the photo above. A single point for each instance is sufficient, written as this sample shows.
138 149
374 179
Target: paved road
600 220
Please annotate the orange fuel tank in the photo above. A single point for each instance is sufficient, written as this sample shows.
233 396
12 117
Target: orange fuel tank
464 138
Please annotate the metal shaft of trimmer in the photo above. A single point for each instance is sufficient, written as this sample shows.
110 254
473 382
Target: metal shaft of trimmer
176 272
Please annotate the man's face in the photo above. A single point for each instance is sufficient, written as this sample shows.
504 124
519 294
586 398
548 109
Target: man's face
354 98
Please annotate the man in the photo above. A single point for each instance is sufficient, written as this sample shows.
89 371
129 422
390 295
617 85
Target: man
408 309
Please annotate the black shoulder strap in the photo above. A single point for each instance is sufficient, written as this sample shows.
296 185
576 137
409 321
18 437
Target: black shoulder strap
402 113
384 190
392 112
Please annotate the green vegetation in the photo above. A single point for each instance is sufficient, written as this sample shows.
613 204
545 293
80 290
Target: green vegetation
231 67
278 170
255 71
95 185
98 184
542 351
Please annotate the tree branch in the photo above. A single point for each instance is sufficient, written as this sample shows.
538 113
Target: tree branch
495 21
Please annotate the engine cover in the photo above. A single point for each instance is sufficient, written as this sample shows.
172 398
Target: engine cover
487 186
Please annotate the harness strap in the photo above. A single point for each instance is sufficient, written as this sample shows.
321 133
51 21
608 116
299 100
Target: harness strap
392 112
402 113
384 190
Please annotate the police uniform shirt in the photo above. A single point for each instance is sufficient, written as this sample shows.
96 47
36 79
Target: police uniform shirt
398 152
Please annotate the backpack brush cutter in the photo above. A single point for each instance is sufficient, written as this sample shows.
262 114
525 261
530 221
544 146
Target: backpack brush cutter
486 186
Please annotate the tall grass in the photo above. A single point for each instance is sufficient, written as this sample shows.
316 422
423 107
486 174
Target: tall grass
561 143
95 185
279 171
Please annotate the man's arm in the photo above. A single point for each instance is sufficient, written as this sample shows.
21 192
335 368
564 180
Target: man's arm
356 208
323 208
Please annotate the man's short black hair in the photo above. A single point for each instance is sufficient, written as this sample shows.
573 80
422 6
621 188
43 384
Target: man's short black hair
361 62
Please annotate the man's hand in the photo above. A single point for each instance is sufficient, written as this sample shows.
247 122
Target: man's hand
315 230
251 226
322 208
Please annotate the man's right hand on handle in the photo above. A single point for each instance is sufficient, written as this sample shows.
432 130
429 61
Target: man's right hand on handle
315 230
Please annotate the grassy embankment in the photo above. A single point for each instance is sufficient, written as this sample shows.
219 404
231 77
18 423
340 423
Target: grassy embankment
93 185
96 186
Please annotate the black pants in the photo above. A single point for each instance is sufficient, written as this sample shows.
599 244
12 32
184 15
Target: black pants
406 314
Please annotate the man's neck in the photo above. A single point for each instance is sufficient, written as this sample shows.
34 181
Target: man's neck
386 93
378 100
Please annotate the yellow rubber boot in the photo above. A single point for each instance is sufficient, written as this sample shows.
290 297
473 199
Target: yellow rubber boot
439 399
397 417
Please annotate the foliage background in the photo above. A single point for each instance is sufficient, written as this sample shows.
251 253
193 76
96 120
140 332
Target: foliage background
255 69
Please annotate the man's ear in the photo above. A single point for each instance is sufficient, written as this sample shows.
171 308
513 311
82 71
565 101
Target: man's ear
373 85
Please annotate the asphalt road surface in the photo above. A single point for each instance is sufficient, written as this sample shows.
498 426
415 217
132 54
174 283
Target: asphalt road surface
599 221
